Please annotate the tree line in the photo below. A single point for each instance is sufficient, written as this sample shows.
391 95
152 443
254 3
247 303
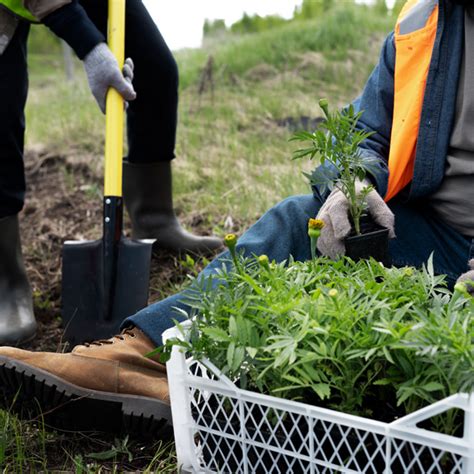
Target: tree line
308 10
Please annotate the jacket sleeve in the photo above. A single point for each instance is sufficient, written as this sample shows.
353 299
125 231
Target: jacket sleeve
68 20
376 102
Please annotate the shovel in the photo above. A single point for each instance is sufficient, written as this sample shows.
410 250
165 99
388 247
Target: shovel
106 280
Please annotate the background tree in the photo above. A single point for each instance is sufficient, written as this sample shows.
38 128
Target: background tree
214 28
256 23
312 9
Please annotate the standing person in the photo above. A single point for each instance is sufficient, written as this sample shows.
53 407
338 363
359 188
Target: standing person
426 174
151 119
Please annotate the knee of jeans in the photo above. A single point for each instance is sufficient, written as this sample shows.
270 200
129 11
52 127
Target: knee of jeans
301 205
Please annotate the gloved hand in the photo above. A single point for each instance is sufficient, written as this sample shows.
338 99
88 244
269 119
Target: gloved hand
103 72
335 214
468 278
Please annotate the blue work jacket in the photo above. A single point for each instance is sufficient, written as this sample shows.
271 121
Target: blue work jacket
376 102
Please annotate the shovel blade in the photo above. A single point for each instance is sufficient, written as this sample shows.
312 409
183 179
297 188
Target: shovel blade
84 300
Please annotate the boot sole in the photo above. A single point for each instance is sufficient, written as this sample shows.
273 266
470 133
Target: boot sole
66 406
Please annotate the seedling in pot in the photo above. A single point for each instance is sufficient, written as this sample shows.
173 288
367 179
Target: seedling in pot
344 167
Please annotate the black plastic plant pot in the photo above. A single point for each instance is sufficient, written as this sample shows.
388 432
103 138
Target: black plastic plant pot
372 242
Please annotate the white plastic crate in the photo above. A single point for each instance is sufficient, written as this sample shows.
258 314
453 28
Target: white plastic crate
220 428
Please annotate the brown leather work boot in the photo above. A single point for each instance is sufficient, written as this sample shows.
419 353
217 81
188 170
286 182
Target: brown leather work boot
107 385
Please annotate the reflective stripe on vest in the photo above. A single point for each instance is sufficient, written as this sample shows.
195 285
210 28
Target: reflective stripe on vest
415 34
17 8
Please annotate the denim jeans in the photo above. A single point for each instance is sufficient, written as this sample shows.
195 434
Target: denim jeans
282 231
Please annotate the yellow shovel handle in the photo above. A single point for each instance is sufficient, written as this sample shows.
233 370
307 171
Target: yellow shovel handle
114 107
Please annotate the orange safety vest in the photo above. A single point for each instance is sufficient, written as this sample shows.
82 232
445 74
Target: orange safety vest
415 34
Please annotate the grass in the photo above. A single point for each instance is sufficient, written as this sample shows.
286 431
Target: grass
234 162
335 35
32 447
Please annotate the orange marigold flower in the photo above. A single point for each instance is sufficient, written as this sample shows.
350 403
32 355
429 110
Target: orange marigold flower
315 224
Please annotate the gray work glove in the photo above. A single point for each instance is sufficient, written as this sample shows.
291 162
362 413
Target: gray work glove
103 72
335 214
468 278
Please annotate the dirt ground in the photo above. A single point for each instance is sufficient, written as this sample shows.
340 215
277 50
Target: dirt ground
64 202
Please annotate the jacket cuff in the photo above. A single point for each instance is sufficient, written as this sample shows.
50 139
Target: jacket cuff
72 24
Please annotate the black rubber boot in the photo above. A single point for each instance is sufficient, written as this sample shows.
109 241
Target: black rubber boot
17 321
147 191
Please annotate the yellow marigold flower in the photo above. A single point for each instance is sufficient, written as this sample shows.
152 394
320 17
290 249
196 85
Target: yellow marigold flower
315 224
333 292
408 271
230 241
264 260
314 228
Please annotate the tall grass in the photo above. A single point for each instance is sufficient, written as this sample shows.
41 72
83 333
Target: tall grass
30 447
22 445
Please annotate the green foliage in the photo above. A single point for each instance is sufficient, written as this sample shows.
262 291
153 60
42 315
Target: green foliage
22 446
341 334
42 41
336 143
256 23
308 10
312 9
214 27
67 115
341 29
194 265
28 447
118 448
